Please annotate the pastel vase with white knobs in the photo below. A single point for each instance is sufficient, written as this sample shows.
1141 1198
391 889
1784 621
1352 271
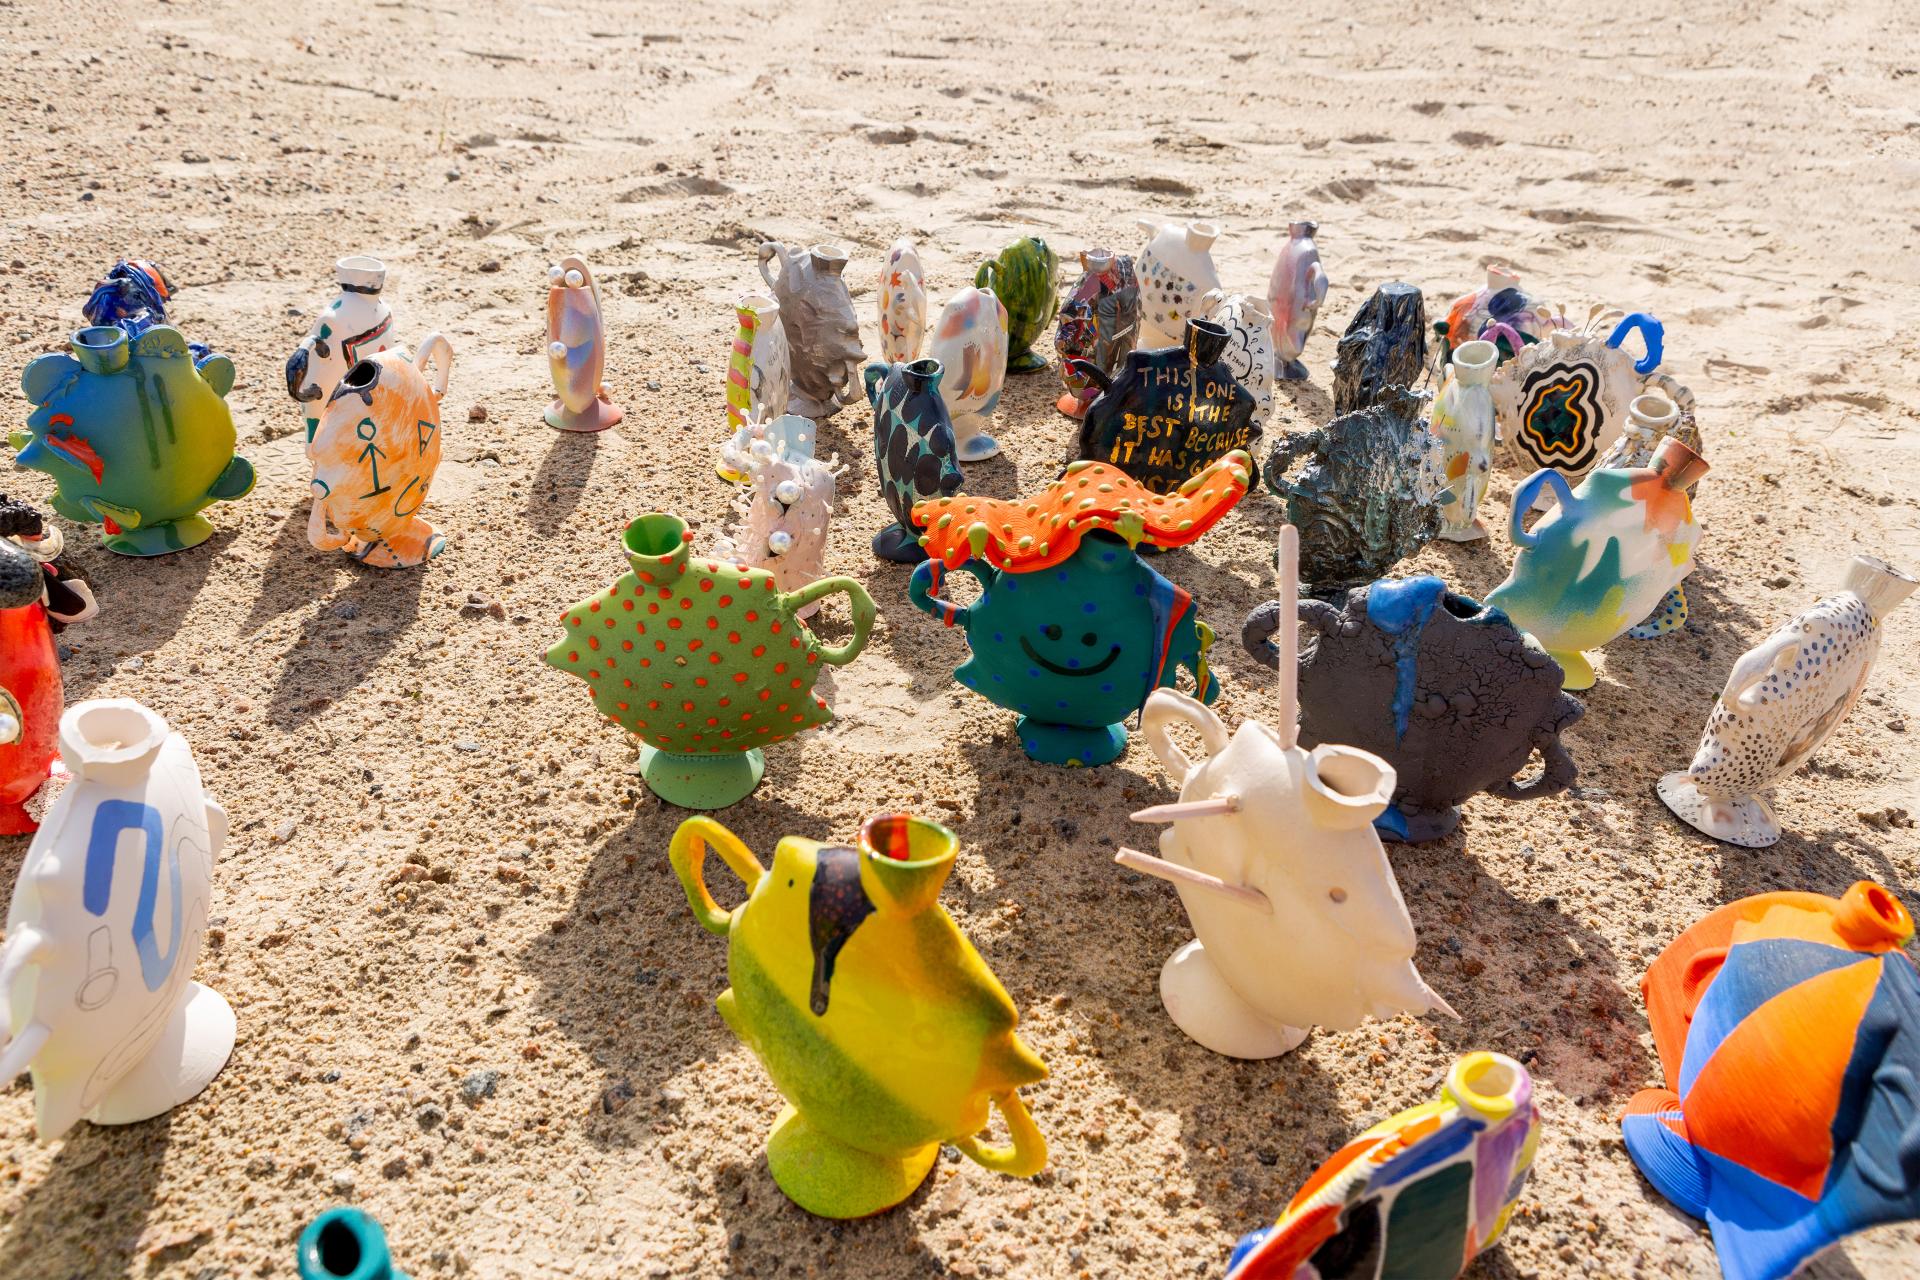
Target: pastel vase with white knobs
759 378
577 350
1176 273
1603 557
823 333
357 324
1298 921
107 919
789 503
902 304
374 458
1782 701
970 342
1248 354
1463 419
1294 293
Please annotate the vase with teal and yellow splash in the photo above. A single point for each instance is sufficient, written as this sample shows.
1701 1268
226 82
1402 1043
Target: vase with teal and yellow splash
1604 557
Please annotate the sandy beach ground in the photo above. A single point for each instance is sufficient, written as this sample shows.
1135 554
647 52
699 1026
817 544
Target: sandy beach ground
471 998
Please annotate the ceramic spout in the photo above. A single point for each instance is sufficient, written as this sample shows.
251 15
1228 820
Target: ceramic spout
112 741
904 861
656 547
1302 230
102 349
1679 466
1345 787
1201 235
1473 362
1205 341
923 376
1880 586
828 259
1871 919
360 273
1096 261
1653 413
344 1244
1501 277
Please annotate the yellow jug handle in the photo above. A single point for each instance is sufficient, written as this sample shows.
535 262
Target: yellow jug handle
688 854
1028 1154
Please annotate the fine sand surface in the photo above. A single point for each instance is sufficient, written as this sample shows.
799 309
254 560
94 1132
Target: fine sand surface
444 871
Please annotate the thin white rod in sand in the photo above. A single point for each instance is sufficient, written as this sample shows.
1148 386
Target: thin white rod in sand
1215 807
1289 636
1147 864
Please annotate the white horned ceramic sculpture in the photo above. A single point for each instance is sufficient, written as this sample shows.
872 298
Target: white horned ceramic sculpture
105 927
1297 918
784 517
1783 699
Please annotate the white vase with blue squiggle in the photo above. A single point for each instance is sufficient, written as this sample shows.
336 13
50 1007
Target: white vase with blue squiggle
105 927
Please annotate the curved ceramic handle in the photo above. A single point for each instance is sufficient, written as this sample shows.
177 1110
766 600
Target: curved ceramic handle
767 251
873 375
1652 332
688 856
1545 477
925 582
1028 1154
1675 390
857 599
1289 447
1091 372
1558 774
987 277
437 352
1160 714
1256 635
1495 330
1773 655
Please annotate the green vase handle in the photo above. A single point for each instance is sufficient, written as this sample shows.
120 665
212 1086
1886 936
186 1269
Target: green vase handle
688 856
857 598
1028 1154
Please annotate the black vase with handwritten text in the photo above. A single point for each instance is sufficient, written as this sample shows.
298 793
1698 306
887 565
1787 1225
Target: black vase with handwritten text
1168 412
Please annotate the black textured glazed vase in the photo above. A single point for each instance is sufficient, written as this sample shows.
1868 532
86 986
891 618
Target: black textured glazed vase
1445 689
1169 413
1364 498
1385 345
913 449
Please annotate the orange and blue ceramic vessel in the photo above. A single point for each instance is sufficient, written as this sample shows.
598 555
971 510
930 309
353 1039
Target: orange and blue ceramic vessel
1788 1029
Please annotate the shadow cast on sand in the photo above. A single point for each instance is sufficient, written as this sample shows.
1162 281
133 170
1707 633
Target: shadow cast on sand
561 480
319 665
95 1200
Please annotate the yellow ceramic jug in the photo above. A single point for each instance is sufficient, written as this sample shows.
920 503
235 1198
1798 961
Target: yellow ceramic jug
880 1024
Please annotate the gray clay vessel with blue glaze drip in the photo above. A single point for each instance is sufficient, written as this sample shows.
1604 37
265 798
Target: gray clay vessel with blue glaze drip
1440 686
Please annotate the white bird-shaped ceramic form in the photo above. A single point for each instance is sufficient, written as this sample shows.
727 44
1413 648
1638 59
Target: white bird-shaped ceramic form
577 350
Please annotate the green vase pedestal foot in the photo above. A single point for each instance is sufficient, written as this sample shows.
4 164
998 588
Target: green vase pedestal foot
825 1176
159 539
1747 822
1072 744
1212 1013
702 782
1028 361
1579 672
901 546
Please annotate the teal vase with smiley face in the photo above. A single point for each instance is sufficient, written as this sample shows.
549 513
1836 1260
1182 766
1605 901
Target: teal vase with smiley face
1072 629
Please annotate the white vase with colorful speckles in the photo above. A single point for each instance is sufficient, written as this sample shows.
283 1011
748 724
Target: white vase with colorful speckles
1176 272
1784 698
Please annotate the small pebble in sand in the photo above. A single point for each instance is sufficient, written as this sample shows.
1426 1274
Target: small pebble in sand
342 1181
478 413
480 1084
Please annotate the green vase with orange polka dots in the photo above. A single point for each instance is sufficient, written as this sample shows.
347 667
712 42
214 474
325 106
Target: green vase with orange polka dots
705 661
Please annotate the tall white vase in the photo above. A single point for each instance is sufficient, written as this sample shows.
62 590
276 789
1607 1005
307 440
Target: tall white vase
1463 418
106 923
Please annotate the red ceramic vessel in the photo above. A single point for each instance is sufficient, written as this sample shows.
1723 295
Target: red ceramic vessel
29 690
